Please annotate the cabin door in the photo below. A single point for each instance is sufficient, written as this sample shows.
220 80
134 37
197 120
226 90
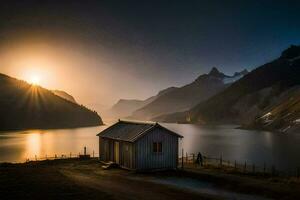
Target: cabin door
117 152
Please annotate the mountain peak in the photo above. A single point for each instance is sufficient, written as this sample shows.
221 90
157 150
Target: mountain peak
214 70
291 52
216 73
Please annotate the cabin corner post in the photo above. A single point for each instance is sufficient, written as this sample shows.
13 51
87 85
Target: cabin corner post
99 148
177 153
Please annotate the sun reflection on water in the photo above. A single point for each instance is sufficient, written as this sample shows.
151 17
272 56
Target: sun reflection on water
33 144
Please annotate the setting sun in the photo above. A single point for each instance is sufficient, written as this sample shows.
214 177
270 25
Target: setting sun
35 80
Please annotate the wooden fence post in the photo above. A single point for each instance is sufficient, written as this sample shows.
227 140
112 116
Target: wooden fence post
35 157
182 158
186 159
93 153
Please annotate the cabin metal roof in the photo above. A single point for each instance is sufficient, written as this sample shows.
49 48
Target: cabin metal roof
130 131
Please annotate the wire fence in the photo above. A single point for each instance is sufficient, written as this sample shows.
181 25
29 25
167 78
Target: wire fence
62 156
191 161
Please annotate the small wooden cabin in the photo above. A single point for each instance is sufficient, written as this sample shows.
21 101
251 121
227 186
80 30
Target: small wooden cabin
139 145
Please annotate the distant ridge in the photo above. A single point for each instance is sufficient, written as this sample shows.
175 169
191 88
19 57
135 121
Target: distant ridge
25 106
185 97
125 107
267 89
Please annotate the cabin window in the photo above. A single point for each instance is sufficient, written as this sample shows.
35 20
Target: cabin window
157 147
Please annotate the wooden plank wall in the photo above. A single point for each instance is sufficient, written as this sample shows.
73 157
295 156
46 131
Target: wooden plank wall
140 155
147 159
106 148
127 155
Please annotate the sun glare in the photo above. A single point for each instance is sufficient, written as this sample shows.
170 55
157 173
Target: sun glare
35 80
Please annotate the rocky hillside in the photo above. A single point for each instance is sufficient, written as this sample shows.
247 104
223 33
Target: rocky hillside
283 115
265 89
183 98
25 106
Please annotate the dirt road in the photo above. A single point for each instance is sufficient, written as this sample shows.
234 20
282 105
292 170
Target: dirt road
77 179
80 180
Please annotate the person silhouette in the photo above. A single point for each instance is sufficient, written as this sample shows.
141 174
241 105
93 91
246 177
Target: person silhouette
199 159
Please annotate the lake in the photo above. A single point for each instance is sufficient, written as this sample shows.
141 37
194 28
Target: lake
281 150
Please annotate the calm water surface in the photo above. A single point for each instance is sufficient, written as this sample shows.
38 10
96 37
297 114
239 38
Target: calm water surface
257 147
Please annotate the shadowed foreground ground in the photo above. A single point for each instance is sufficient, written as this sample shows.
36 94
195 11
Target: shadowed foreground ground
75 179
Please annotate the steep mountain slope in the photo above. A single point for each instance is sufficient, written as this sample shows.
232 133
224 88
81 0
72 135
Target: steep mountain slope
183 98
283 116
64 95
24 106
250 97
125 107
